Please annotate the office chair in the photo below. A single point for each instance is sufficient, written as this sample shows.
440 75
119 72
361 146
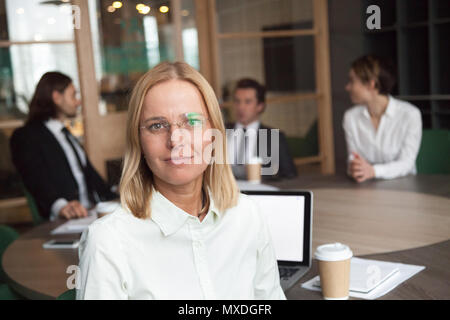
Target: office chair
7 236
434 152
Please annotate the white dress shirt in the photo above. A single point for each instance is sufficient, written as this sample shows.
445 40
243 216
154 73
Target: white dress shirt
393 148
234 143
172 255
55 127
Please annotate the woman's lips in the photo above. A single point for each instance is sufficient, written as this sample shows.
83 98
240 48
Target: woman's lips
179 160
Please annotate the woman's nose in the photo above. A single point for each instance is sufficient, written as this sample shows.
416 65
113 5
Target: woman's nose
176 137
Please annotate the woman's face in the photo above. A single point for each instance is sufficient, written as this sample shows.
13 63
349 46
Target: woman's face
359 92
172 126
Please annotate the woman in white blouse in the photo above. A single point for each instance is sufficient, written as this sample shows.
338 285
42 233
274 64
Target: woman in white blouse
183 230
383 134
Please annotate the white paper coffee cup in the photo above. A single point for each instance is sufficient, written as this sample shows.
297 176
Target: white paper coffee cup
334 269
253 168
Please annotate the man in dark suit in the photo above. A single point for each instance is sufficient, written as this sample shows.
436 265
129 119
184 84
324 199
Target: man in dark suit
249 104
53 165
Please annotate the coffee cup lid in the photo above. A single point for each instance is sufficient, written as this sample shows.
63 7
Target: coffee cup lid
108 207
333 252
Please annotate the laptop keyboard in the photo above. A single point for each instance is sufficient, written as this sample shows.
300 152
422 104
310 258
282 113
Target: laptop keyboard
286 273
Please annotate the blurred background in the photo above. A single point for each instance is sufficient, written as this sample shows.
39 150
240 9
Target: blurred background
300 49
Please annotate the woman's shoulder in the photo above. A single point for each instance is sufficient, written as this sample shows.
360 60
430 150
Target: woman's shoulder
245 202
354 111
110 225
247 208
407 109
352 115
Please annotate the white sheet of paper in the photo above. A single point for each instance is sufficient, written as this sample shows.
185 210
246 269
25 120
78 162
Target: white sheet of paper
75 225
394 275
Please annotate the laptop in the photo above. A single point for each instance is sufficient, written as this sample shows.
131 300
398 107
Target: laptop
289 215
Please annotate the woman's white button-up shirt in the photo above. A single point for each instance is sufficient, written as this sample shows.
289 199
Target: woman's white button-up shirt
172 255
392 149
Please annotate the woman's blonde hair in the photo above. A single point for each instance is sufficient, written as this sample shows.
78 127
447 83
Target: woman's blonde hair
136 183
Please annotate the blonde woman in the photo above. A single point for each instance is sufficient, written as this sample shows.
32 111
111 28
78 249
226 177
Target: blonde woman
183 231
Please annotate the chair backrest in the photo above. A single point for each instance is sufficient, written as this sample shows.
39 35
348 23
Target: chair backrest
37 218
68 295
7 236
434 152
306 146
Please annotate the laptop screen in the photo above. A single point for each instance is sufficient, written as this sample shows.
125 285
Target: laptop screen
285 216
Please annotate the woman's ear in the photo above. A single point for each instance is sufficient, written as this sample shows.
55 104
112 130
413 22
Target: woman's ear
372 84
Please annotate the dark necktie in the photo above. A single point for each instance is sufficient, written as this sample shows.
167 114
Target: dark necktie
90 189
242 154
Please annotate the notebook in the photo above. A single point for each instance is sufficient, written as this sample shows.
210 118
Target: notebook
366 275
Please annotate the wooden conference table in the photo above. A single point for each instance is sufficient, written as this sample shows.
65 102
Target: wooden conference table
405 220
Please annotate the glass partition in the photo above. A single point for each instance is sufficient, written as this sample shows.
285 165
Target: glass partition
35 20
131 38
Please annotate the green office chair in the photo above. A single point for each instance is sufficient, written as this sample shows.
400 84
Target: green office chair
37 218
434 152
306 146
7 236
68 295
7 294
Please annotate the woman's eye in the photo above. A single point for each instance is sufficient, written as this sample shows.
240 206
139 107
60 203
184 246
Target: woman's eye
155 126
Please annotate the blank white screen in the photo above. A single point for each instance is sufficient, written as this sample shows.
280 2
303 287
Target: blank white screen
285 216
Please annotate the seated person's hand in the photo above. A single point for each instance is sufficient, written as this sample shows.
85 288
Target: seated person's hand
360 169
73 210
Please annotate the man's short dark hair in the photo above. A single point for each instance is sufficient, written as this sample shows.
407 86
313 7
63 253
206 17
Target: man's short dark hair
248 83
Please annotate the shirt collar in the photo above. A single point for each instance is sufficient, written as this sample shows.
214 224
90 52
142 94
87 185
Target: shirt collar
54 125
253 125
169 217
390 109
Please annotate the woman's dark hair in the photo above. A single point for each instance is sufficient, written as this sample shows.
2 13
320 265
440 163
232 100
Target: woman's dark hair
379 69
253 84
42 106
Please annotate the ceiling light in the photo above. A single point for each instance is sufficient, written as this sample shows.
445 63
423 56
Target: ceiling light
117 4
164 9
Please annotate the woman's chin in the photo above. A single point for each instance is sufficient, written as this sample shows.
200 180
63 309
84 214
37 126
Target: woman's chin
180 176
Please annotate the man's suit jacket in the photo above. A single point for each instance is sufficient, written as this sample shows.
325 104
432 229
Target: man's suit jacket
287 168
45 170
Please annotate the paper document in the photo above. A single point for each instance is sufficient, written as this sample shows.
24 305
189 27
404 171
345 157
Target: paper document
371 279
75 225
